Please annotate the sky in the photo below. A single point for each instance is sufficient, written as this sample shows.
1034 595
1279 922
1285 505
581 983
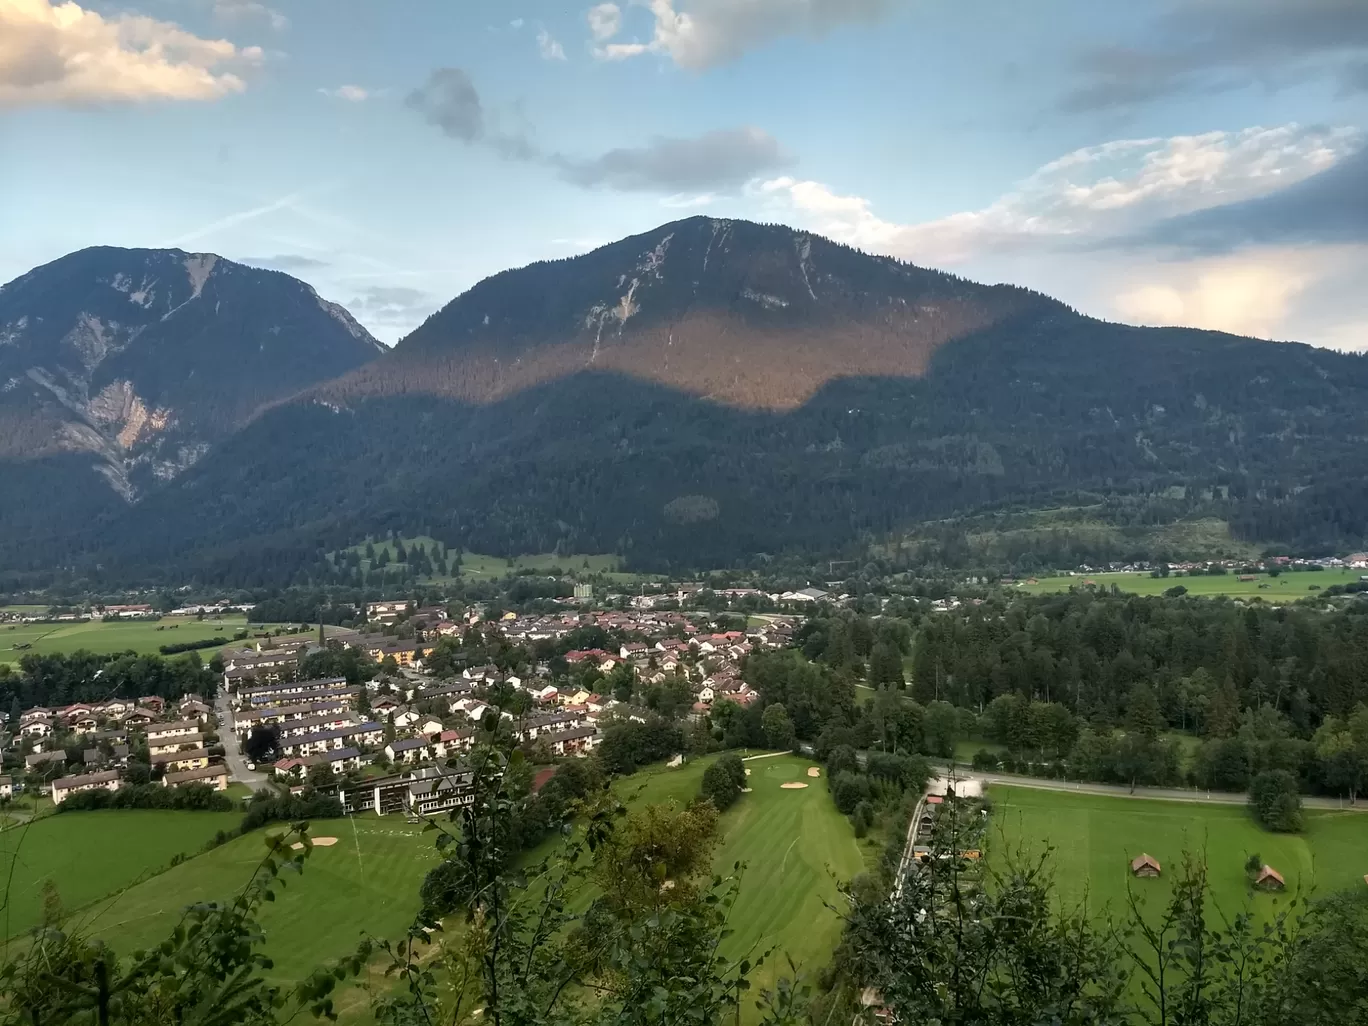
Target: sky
1196 162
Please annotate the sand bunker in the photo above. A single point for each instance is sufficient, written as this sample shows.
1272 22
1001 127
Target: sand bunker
792 785
747 772
745 790
813 771
319 842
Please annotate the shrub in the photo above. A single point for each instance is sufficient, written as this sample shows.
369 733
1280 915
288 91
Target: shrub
720 785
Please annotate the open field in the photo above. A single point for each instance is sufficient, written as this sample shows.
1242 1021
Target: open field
794 842
367 882
141 636
1094 837
89 855
1286 587
796 847
475 564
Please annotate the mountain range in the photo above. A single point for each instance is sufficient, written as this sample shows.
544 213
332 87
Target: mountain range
695 396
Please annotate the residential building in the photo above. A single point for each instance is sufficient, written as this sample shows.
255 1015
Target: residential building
426 791
196 758
369 733
64 787
215 776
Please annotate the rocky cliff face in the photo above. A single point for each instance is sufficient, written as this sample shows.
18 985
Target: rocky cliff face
143 359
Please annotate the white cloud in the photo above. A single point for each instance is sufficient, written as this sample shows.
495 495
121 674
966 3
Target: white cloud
712 32
248 9
1070 230
350 93
547 46
1248 293
605 21
1092 193
65 54
516 23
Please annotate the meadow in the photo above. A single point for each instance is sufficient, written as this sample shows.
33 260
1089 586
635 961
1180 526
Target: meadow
479 565
1092 839
1286 587
107 638
90 855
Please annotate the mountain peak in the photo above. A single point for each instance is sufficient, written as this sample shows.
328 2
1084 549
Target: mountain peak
751 315
142 357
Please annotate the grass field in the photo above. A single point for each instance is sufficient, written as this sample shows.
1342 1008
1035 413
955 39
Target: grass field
142 637
1287 587
796 847
1094 837
794 842
89 855
367 882
475 564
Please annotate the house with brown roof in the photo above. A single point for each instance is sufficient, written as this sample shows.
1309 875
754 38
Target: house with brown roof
197 758
1269 879
1144 865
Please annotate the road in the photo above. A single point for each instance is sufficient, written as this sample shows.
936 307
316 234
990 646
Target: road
232 748
1172 794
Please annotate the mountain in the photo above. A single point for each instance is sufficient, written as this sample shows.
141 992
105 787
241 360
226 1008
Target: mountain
750 316
713 390
120 368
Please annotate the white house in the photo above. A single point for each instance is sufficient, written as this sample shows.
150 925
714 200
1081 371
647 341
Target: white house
66 786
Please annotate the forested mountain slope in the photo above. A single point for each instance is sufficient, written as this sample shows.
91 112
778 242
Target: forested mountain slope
743 389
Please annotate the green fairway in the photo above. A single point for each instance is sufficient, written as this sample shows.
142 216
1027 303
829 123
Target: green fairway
142 636
366 883
1094 838
89 855
796 847
1286 587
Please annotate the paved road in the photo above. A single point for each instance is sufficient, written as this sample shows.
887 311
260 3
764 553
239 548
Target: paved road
237 764
1164 793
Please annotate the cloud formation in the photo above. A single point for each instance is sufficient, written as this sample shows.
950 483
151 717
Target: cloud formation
548 47
1328 208
723 160
1205 46
1259 232
290 263
65 54
239 10
350 93
390 311
1092 194
713 32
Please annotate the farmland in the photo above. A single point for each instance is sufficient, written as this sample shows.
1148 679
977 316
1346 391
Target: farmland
478 565
1286 587
1093 838
106 638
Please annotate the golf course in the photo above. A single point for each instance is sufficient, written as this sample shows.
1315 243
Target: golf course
795 846
1092 838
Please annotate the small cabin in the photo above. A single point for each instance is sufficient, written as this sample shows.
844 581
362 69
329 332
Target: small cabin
1269 879
1145 865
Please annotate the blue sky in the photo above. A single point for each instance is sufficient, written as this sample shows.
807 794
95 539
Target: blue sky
1177 161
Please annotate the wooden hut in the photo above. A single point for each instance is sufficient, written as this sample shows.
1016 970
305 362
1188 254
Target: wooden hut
1269 879
1145 865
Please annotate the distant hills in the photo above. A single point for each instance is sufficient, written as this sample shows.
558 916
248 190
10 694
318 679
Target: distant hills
695 396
